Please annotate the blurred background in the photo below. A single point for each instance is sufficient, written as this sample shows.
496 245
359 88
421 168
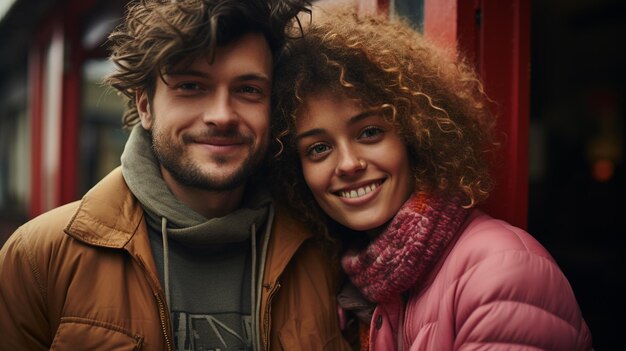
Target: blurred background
563 180
577 128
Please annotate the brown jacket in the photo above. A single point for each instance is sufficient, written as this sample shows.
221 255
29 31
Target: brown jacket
82 277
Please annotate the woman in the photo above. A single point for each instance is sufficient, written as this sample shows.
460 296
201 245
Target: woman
386 142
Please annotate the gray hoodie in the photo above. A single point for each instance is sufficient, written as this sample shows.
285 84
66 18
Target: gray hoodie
205 265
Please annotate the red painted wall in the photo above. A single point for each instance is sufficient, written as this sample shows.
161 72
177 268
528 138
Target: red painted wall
495 35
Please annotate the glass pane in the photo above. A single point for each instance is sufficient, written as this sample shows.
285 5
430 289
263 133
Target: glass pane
411 10
101 135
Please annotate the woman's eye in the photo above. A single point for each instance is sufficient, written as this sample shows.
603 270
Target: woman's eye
317 150
370 132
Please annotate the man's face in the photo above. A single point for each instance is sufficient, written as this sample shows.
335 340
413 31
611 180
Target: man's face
210 122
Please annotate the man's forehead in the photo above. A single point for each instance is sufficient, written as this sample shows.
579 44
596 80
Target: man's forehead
248 52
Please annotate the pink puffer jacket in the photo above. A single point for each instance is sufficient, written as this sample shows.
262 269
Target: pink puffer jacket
495 288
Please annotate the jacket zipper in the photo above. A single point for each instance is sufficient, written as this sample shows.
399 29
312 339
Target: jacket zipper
162 312
266 317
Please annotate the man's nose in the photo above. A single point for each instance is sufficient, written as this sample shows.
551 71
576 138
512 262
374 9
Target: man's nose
219 110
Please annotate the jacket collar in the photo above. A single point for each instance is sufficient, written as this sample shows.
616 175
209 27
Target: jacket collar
108 216
288 234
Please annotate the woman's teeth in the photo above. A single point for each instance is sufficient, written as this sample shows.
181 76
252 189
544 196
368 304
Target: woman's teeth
351 194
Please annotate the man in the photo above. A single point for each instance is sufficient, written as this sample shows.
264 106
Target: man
181 248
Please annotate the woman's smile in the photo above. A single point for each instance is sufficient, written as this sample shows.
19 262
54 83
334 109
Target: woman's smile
360 191
356 166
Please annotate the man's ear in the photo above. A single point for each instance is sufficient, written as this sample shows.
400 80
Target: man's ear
143 108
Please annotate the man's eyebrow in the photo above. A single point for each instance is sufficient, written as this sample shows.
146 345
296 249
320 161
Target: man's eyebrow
186 72
242 77
354 119
253 77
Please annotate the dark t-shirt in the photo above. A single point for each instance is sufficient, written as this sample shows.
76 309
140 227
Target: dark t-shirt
210 287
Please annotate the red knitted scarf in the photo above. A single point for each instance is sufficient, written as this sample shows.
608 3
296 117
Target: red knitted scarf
408 248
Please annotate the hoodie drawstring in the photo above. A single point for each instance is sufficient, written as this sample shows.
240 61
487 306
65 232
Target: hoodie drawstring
253 283
166 263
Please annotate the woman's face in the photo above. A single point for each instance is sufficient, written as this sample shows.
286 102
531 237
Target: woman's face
355 164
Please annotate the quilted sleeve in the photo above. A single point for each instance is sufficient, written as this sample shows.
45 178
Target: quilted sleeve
518 300
23 321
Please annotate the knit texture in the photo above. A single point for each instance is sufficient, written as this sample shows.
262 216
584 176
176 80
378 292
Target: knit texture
407 249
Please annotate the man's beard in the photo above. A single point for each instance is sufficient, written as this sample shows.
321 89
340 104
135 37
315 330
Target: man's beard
174 157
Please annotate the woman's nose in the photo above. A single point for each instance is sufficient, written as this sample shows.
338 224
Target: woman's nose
349 163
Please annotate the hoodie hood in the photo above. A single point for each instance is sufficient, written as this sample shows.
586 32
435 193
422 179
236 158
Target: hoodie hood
142 173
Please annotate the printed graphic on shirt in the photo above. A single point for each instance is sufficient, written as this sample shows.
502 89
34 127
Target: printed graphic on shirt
204 332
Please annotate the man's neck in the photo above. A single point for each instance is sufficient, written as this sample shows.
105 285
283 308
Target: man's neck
210 204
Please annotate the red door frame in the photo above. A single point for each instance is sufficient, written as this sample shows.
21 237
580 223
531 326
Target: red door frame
72 78
495 35
37 81
66 185
35 69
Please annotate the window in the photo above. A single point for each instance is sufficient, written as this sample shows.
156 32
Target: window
410 10
101 137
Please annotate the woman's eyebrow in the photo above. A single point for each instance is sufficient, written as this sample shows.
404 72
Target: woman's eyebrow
310 132
361 116
352 120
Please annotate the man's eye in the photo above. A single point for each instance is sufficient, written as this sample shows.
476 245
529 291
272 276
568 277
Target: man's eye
188 86
249 90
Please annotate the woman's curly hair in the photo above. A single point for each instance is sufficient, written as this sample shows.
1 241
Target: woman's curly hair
434 101
157 34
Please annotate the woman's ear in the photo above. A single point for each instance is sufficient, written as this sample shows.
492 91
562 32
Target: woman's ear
143 108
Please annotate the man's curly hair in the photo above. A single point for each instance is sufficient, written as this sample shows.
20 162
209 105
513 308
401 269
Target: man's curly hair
158 34
434 101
